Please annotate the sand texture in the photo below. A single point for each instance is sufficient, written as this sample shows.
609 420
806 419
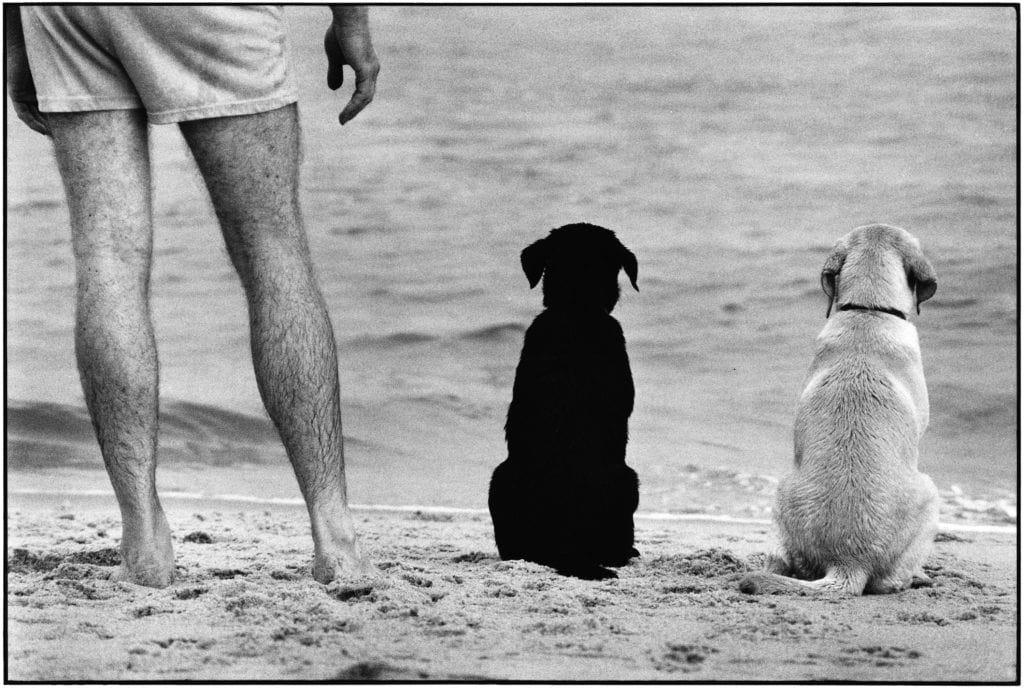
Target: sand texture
445 607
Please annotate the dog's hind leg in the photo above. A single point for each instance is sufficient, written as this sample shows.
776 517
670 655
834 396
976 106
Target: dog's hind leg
908 568
614 544
908 571
504 496
616 532
778 563
842 580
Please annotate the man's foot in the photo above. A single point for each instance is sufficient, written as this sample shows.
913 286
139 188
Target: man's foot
342 562
147 557
335 551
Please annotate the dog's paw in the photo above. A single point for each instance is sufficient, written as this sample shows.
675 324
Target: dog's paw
621 560
588 572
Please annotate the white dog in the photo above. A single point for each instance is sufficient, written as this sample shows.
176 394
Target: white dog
856 515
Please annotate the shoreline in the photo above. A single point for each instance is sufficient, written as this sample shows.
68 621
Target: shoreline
234 499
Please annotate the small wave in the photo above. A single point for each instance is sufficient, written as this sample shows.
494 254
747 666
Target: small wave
817 248
442 296
952 303
38 454
399 339
980 200
462 406
47 420
354 231
201 421
495 333
492 333
36 205
43 434
973 509
427 293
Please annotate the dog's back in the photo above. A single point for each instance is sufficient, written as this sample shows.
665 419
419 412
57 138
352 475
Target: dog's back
573 392
858 424
855 512
565 497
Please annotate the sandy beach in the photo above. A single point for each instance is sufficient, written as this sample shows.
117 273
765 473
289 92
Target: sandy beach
446 608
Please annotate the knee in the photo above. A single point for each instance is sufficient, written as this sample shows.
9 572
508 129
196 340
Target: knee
117 272
112 304
272 264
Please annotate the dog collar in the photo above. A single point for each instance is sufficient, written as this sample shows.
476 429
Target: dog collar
859 307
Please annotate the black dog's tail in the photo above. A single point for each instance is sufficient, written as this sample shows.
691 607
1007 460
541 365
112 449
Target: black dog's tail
585 571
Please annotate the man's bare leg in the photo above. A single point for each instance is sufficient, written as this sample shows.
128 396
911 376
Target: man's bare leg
250 164
104 161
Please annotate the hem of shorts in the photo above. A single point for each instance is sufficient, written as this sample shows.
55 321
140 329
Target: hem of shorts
204 112
87 104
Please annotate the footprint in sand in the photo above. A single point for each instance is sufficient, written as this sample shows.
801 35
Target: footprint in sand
881 656
475 557
73 571
416 580
375 671
393 593
198 537
227 573
683 657
189 593
348 590
146 611
23 560
939 572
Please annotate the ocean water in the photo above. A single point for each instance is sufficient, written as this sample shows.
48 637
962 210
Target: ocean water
728 147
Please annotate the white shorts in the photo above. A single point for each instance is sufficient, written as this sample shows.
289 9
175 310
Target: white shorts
176 62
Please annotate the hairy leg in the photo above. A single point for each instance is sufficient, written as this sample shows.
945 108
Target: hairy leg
250 165
104 161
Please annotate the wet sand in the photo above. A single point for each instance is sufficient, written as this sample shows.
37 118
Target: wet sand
445 607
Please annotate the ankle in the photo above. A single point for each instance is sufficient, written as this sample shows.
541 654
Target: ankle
333 525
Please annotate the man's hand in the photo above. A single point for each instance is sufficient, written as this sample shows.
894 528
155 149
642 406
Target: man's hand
348 43
20 86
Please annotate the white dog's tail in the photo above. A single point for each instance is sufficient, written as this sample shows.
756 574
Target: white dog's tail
836 580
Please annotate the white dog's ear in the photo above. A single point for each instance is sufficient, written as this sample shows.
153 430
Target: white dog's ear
629 265
534 259
830 274
921 275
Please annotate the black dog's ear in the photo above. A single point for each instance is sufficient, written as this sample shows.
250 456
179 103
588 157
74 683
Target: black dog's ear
921 276
534 259
629 265
830 273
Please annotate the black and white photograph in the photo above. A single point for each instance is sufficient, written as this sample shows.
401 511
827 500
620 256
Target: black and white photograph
512 343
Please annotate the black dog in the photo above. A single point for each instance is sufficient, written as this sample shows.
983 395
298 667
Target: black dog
565 497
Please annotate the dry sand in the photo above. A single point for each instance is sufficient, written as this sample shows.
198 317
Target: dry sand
244 608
